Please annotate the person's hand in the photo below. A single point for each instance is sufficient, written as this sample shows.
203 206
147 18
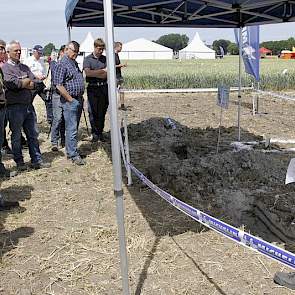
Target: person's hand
26 82
31 85
2 100
40 77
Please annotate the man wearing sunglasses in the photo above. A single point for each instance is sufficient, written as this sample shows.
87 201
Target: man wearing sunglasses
19 82
69 82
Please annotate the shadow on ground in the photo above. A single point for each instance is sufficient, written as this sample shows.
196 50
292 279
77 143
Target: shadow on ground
10 238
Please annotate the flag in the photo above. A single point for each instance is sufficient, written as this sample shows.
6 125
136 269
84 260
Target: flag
250 49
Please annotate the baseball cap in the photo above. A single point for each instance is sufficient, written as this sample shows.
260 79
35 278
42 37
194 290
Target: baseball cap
38 48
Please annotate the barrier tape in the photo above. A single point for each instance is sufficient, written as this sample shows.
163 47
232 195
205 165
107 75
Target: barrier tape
181 90
274 94
239 236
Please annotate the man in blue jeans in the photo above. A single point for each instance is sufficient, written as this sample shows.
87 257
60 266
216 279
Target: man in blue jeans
70 84
58 122
19 82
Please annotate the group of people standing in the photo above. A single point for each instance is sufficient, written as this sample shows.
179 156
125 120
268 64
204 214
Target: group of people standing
20 82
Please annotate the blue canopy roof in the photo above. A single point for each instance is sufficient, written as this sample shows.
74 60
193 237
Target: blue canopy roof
181 13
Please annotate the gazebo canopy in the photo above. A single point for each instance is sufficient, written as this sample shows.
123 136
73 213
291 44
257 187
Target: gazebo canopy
181 13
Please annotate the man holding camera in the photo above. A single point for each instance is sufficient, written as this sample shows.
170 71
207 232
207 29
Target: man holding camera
20 82
37 67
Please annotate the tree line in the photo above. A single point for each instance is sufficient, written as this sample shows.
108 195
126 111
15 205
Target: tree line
178 42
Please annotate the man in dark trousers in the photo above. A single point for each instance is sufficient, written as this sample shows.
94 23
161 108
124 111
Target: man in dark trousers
97 90
3 171
119 66
4 205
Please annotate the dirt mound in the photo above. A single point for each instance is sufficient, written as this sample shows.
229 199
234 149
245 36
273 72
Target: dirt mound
243 187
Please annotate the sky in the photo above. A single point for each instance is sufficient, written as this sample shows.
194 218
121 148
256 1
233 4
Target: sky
42 21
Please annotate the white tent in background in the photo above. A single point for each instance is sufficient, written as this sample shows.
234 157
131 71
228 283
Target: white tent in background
86 47
144 49
197 50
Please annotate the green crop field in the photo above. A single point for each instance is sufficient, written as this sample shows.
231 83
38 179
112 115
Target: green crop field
158 74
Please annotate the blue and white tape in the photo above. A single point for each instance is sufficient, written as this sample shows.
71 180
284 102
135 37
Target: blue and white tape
247 240
277 95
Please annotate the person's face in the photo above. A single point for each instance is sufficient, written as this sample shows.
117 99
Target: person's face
72 53
37 54
61 53
98 50
119 48
2 52
15 52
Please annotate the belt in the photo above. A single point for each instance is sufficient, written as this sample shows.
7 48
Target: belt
98 84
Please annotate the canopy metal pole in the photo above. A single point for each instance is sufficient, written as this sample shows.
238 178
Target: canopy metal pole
240 83
116 159
69 34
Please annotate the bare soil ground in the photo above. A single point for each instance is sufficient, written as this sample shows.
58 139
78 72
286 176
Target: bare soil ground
63 240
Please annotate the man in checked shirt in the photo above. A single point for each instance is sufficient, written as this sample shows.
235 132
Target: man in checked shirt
69 81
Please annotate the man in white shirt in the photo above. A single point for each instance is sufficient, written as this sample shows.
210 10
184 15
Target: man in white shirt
37 67
36 64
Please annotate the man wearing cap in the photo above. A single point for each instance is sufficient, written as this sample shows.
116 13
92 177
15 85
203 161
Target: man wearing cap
37 67
97 91
36 64
20 82
69 82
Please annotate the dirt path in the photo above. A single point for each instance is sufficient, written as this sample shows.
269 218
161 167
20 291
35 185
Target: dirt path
64 240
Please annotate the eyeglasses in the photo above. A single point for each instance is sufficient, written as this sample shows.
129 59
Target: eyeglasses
75 51
17 50
99 48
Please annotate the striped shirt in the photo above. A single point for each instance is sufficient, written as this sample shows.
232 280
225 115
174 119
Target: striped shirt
68 74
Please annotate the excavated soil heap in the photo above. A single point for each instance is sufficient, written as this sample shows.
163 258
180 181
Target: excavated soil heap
244 187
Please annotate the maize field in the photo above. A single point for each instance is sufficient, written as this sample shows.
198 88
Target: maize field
275 74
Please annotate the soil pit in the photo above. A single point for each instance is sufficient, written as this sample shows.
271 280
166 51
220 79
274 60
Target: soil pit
243 187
